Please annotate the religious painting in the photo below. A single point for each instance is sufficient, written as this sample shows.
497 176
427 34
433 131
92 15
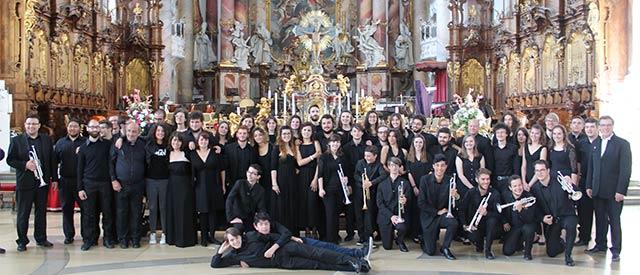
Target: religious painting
363 83
285 14
549 64
137 77
377 84
473 76
576 60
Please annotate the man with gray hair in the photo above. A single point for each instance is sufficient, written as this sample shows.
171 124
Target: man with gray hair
127 168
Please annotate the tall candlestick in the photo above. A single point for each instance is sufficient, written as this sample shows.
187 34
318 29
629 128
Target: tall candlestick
349 101
275 110
269 93
357 105
284 107
339 105
238 110
293 104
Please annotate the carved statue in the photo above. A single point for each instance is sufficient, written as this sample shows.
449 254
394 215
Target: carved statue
203 54
315 33
261 45
424 28
264 109
341 45
241 49
404 48
343 84
372 52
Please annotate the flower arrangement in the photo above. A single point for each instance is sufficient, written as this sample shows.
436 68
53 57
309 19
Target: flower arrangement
139 107
469 111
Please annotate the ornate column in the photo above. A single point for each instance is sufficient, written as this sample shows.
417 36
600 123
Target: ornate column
185 68
420 11
156 49
364 18
455 47
380 14
240 14
227 18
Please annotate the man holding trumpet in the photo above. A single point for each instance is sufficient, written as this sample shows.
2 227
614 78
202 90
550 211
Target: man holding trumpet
556 210
368 174
31 154
478 211
436 201
393 194
519 219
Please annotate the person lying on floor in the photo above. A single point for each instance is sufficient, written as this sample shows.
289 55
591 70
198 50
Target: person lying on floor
264 249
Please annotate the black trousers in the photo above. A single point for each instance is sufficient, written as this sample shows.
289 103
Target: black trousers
68 192
608 215
386 233
501 185
99 199
332 203
514 239
555 245
486 232
295 255
431 233
25 200
129 211
362 217
585 218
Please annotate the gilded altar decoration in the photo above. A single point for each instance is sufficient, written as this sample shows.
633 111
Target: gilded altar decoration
315 33
529 58
549 64
473 76
366 104
514 74
137 76
82 64
576 60
264 109
97 69
139 107
343 84
453 69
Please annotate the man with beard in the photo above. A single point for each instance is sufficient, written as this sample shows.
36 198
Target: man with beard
94 188
447 148
314 117
66 153
238 156
417 123
325 131
29 190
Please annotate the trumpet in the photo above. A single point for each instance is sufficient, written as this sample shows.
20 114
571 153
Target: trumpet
345 190
473 225
452 200
400 205
365 191
567 186
33 155
527 202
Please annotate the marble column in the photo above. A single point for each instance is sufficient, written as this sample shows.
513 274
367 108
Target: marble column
380 13
184 69
365 11
227 18
240 13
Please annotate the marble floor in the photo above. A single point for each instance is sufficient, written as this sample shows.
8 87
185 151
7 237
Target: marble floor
159 259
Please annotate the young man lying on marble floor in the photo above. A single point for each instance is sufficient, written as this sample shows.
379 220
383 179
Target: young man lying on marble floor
264 249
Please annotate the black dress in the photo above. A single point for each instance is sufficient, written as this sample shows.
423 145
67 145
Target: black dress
181 224
267 163
418 170
469 168
563 161
531 158
309 203
284 205
209 196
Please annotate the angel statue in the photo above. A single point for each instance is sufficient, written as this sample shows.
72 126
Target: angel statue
315 33
264 109
341 45
261 45
372 52
241 49
404 48
343 84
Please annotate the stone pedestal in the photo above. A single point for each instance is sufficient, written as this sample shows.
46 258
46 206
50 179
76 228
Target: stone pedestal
6 108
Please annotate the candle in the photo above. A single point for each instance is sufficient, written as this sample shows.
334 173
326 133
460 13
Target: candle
293 104
401 99
275 110
269 93
349 101
357 105
284 107
238 110
339 104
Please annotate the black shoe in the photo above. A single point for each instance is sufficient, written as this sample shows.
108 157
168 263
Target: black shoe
448 254
478 248
124 245
416 240
581 243
86 246
22 247
489 255
527 256
2 251
365 267
136 245
595 249
45 244
569 261
204 243
108 245
615 258
349 238
402 246
68 240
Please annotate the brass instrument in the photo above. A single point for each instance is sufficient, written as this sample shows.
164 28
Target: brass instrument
567 186
345 189
526 202
33 155
475 221
452 200
400 205
366 194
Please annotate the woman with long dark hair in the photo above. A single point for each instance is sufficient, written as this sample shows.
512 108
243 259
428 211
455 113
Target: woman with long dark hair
330 185
522 136
396 122
371 124
294 123
268 161
468 161
181 224
157 178
271 124
223 134
418 166
284 198
207 165
562 154
307 156
394 149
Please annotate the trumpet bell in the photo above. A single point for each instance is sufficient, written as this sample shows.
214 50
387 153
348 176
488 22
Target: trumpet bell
499 207
576 195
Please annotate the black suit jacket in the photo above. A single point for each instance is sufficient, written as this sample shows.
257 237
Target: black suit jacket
18 157
609 174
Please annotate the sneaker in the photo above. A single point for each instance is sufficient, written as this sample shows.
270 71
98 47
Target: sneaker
163 239
152 238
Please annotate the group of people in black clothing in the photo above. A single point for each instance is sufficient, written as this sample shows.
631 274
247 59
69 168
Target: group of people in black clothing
390 182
